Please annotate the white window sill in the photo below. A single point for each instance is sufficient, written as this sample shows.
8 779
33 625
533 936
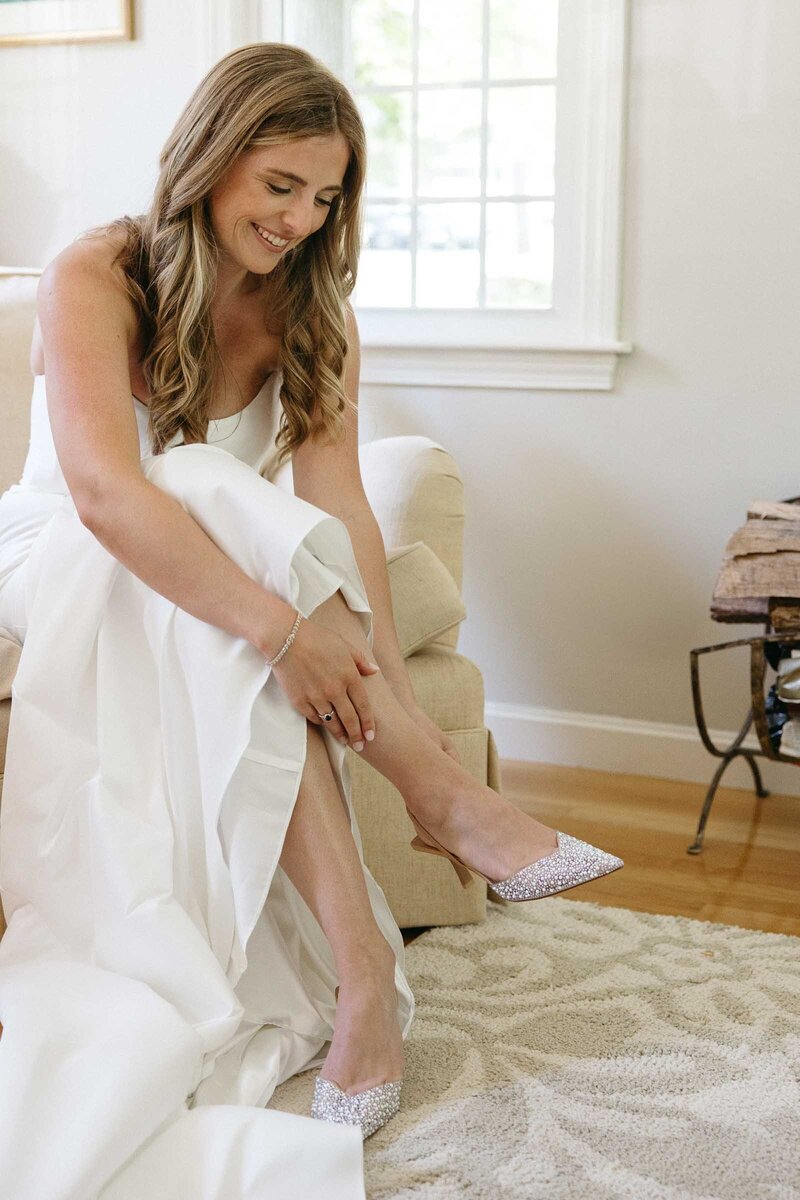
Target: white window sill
559 368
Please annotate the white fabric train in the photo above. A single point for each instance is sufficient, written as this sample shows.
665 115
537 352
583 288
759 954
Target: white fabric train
160 975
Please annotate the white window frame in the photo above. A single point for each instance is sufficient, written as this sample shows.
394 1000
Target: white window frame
575 344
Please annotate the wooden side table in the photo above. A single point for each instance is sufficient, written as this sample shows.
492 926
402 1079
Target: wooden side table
781 615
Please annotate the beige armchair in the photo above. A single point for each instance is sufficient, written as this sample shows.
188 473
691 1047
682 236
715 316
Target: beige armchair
416 493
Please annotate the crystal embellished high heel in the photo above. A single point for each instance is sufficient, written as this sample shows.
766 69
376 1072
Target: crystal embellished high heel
573 862
369 1109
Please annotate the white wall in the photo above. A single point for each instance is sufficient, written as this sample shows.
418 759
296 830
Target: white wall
596 521
81 127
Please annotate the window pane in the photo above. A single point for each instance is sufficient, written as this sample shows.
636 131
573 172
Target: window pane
523 39
387 120
450 40
521 157
448 255
380 32
450 143
384 269
519 254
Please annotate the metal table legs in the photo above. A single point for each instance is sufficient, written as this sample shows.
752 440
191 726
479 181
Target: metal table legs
756 714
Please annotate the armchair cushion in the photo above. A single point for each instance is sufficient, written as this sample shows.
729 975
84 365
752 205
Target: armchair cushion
9 660
425 599
17 315
415 490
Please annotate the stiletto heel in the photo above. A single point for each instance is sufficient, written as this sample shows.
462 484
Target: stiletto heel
462 871
572 863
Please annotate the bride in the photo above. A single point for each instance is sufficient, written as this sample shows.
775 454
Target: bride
190 919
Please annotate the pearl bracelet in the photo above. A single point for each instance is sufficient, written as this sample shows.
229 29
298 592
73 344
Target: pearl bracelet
287 643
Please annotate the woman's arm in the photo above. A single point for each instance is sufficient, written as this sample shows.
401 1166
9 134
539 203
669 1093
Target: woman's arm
370 552
86 328
330 477
151 534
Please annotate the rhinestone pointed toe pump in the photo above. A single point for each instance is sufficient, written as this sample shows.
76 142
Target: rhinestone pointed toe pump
572 863
369 1109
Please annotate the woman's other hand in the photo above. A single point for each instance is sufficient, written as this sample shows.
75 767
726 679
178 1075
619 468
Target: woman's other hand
321 671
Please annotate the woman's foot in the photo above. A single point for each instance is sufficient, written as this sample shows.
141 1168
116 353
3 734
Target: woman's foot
367 1045
486 831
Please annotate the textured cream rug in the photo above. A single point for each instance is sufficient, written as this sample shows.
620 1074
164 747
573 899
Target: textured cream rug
579 1052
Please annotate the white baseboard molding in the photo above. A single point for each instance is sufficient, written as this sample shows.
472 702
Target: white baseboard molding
624 746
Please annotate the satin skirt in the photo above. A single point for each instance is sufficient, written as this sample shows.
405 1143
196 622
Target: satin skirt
160 974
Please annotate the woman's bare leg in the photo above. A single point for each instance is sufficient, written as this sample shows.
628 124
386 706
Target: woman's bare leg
320 858
472 820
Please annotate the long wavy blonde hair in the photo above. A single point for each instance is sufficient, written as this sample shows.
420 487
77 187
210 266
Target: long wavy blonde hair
258 95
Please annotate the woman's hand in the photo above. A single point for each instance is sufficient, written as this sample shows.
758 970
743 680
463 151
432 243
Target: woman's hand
321 671
433 731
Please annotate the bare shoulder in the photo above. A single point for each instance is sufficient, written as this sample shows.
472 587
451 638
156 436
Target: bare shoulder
85 269
89 262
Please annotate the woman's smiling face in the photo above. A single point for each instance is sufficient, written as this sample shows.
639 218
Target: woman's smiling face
286 190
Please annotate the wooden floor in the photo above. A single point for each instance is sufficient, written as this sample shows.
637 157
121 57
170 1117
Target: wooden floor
747 874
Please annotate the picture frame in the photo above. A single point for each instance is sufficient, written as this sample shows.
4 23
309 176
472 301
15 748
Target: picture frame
37 22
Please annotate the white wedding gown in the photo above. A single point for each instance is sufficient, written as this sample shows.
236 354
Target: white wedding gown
160 975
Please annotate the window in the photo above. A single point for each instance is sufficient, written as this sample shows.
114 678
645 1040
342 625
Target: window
492 210
459 108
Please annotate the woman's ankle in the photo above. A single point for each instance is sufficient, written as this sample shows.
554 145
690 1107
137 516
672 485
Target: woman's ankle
366 964
445 801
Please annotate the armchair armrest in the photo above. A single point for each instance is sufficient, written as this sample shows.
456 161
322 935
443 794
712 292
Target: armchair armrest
416 492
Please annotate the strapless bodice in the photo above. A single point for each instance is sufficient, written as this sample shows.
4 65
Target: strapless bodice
249 435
